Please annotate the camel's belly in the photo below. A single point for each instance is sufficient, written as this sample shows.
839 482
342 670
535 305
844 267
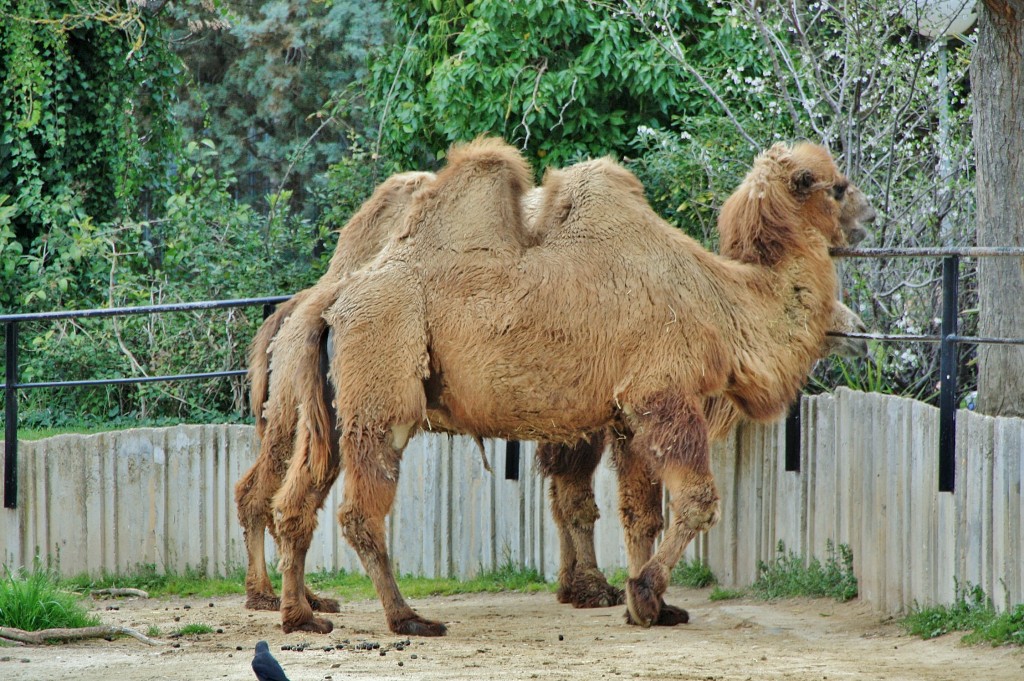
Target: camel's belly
512 406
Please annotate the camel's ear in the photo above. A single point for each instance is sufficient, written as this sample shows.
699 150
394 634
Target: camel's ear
802 181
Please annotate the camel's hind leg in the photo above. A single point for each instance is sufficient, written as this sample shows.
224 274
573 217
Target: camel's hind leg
571 470
370 482
252 496
255 491
672 438
295 509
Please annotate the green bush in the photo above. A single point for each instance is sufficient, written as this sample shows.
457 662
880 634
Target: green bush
971 611
790 575
694 574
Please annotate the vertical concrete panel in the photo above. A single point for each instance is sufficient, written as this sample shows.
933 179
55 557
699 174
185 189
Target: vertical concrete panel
435 458
922 508
722 538
509 509
38 543
609 539
242 447
825 515
787 498
1007 448
977 501
746 492
870 550
65 476
895 481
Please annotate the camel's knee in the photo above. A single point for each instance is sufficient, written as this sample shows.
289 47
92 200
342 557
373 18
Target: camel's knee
253 495
642 519
573 503
361 532
695 500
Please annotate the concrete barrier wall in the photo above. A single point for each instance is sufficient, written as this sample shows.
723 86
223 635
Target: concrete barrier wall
868 478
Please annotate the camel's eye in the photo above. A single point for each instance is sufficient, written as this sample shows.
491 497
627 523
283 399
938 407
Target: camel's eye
839 190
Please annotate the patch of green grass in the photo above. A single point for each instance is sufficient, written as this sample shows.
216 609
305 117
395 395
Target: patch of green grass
32 601
508 577
193 630
153 631
720 594
973 612
619 577
788 575
191 582
694 574
350 586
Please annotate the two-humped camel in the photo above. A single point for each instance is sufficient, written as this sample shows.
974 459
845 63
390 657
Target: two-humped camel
300 359
616 318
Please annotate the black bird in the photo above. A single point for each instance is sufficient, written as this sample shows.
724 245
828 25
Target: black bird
265 666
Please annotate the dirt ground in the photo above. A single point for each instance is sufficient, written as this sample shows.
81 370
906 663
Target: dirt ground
523 636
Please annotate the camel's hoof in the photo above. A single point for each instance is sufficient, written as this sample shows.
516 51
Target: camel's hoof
591 591
262 602
417 626
316 625
322 604
642 604
668 616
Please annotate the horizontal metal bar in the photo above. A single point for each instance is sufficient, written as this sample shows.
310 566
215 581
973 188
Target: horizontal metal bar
887 337
148 309
977 340
124 381
936 252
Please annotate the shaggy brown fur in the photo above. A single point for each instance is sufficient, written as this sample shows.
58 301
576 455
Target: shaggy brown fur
285 373
616 317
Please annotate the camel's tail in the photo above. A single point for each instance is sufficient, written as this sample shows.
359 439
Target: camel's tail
314 389
258 356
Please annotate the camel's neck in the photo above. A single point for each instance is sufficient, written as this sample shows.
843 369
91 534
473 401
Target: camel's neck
783 333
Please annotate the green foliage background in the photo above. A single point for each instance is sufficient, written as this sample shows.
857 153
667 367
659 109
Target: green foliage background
165 152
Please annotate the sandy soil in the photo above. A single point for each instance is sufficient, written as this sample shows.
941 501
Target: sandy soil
524 636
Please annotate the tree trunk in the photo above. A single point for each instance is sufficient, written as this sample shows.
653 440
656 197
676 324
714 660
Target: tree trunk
997 80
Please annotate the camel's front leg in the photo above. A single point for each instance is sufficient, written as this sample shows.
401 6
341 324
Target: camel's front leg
640 493
370 481
571 470
672 437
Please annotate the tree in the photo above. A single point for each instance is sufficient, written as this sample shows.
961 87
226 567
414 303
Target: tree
272 85
561 80
857 77
997 76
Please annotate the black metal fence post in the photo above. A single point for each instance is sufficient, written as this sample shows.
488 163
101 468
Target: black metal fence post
948 371
11 417
793 437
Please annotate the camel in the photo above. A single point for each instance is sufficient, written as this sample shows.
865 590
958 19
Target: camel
581 583
285 363
614 319
571 469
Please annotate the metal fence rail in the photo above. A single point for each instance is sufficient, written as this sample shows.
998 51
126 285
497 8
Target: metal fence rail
949 339
11 386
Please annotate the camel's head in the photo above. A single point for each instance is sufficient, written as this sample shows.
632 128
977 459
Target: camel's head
791 199
855 212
